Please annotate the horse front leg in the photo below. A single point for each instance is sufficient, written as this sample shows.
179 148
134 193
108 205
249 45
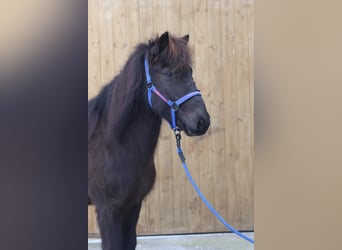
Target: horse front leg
129 227
110 225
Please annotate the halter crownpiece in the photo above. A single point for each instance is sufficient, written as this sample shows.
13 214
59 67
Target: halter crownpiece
174 105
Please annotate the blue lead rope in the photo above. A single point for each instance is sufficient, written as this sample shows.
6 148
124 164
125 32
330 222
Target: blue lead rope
174 105
206 202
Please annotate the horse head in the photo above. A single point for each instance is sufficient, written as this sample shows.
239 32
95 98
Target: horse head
169 75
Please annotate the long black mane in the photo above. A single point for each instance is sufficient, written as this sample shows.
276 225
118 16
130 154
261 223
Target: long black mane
120 96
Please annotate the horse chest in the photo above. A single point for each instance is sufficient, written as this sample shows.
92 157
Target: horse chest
144 181
134 176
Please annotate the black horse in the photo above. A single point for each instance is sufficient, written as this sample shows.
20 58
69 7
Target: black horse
123 128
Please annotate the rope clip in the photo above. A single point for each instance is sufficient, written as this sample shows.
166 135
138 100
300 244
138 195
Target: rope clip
177 133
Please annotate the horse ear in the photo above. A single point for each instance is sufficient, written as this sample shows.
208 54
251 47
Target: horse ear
163 42
186 38
160 45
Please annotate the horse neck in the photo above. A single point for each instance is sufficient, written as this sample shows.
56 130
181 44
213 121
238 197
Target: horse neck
128 116
143 132
139 130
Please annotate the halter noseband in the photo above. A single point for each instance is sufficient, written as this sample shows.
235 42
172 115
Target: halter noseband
174 105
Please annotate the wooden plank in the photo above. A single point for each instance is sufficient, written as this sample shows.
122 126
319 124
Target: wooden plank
179 191
119 30
172 16
94 81
132 24
205 168
151 212
93 229
166 180
243 83
159 17
106 41
146 17
219 196
164 185
190 146
230 118
149 222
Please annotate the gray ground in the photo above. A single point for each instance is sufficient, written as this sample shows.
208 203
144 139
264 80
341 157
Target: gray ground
187 242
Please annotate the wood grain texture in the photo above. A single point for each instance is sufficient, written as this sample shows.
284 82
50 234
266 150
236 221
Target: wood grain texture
221 162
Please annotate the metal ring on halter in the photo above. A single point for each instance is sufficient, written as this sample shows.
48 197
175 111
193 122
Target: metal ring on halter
174 106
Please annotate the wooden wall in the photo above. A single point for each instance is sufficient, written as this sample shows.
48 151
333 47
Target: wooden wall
221 34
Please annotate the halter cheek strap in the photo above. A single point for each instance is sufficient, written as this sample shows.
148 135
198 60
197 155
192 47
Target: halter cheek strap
174 105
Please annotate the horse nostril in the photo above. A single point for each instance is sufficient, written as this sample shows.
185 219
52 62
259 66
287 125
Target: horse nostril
200 125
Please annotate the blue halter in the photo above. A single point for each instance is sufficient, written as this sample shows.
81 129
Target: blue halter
174 105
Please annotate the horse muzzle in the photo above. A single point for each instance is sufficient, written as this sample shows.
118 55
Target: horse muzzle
195 124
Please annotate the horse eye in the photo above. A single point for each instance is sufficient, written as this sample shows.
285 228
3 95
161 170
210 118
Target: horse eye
168 74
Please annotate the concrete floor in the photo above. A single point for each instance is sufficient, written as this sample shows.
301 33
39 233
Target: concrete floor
187 242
